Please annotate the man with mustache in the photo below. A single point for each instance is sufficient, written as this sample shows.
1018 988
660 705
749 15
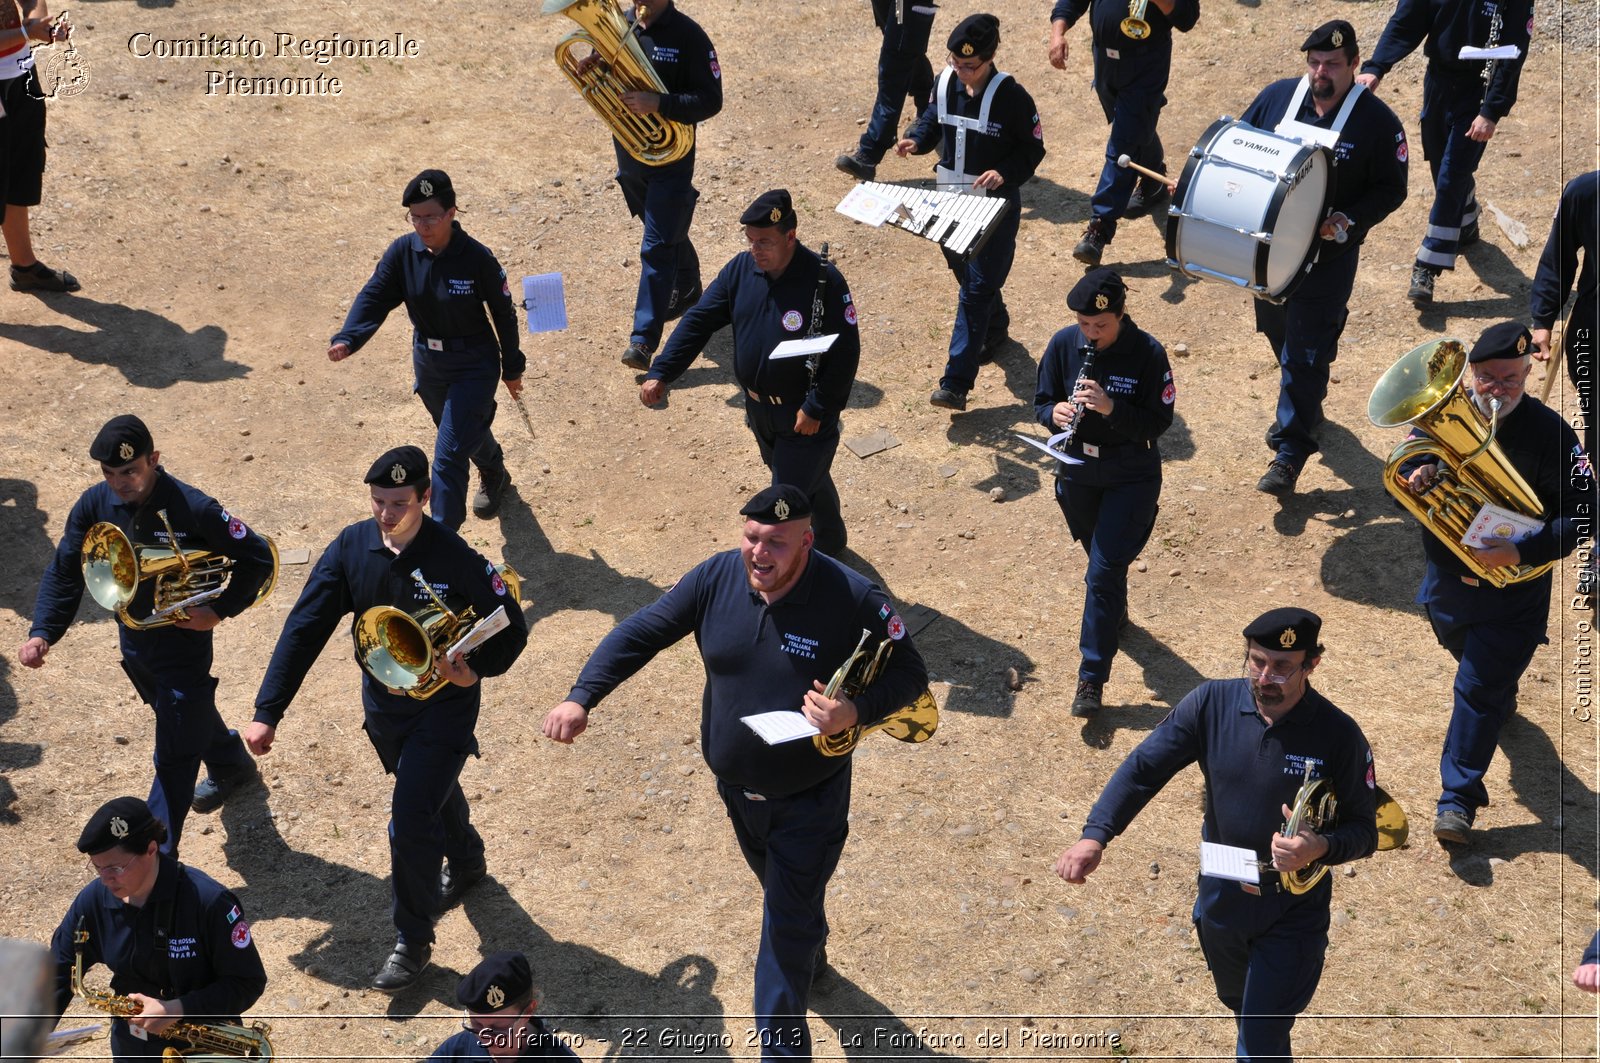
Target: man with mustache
1255 738
1368 144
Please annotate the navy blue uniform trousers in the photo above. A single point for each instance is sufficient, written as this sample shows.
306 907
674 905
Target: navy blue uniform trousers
1265 955
903 70
1112 522
981 309
457 388
663 197
793 845
171 671
1449 104
1305 331
1132 94
801 461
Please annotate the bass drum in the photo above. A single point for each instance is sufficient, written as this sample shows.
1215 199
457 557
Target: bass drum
1247 209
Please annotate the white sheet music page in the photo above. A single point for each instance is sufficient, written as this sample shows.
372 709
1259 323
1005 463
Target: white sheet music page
1229 862
777 727
865 205
1503 51
1050 447
802 347
481 632
545 302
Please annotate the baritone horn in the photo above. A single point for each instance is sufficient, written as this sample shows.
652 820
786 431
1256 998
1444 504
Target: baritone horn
113 569
915 722
1423 390
402 650
623 68
1134 26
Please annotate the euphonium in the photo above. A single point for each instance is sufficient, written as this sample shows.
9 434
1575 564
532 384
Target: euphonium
206 1041
402 650
113 568
1134 26
915 722
623 68
1424 390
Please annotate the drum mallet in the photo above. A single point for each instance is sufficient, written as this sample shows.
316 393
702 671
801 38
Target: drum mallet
1128 164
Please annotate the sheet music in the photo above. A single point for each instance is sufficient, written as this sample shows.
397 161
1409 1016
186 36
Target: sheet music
802 347
1049 447
1495 522
1504 51
481 632
546 303
865 204
775 728
1229 862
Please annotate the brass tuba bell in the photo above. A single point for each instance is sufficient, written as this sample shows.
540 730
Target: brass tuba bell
623 68
1423 389
401 650
113 568
915 722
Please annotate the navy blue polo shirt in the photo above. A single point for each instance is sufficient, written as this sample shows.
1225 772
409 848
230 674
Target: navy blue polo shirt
1134 371
684 59
761 658
538 1043
199 523
1251 770
1369 169
445 296
1105 21
765 311
1443 28
189 942
1013 145
357 572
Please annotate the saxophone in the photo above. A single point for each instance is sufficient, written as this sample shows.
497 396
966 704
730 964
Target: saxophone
206 1041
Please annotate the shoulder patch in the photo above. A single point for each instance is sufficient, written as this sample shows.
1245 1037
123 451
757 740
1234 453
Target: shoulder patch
716 68
850 314
234 915
241 936
1170 391
237 529
897 627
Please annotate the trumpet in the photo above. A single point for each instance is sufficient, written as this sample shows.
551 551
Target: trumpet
915 722
113 569
1134 26
402 650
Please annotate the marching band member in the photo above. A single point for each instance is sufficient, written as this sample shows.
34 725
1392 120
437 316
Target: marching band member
169 665
989 139
1254 738
903 70
445 278
22 142
1369 146
500 1023
423 743
769 294
772 620
1121 404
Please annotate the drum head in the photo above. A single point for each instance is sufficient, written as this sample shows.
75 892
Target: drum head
1294 220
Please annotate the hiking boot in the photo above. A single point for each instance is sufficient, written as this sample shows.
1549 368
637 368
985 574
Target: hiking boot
41 278
636 357
211 792
1147 196
491 489
1278 479
948 399
1421 290
1451 826
1087 700
856 165
1094 241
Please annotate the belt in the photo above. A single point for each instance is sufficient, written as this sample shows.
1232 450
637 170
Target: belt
1092 450
771 399
454 343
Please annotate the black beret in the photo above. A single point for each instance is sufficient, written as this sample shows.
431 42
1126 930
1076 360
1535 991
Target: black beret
974 35
114 823
499 980
776 504
769 209
1337 35
1505 340
121 440
1287 629
400 467
1100 291
430 184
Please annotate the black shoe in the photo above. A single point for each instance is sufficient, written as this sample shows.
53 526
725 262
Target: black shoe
948 399
210 793
41 278
403 967
1469 236
1451 826
1147 196
454 883
1421 290
486 503
1093 243
992 343
1087 701
856 165
680 302
1278 479
636 357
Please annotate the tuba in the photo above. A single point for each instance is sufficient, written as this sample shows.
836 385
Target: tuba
623 67
1424 390
915 722
113 568
1134 27
206 1040
401 650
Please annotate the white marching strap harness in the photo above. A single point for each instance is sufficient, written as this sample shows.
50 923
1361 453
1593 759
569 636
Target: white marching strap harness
957 179
1290 126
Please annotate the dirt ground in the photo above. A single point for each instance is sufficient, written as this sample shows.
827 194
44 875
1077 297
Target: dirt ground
220 239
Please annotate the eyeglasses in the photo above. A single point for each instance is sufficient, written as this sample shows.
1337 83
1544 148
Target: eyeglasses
425 221
483 1031
1512 382
1255 671
109 870
971 67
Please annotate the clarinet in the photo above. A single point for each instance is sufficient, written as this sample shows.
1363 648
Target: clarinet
1088 351
814 360
1495 24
